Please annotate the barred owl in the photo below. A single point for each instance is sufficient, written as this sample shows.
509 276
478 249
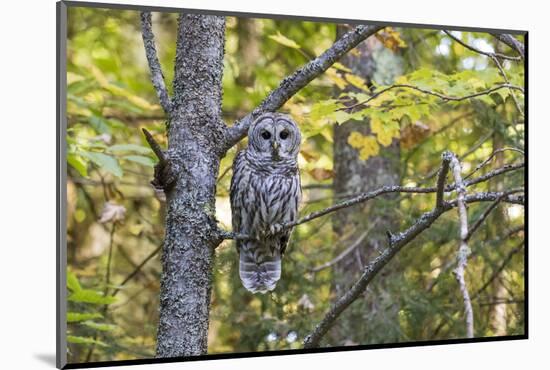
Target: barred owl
265 193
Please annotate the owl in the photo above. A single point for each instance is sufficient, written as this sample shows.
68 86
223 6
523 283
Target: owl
265 193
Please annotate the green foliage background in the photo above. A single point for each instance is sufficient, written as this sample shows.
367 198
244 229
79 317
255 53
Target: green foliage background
115 220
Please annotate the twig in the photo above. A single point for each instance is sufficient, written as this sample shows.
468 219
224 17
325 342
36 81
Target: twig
157 77
154 145
137 269
495 58
505 77
293 83
463 250
479 166
488 210
476 50
499 269
363 197
396 242
433 93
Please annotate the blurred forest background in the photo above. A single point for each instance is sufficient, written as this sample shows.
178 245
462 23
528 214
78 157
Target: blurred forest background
115 219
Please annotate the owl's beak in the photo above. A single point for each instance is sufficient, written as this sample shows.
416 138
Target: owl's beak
275 152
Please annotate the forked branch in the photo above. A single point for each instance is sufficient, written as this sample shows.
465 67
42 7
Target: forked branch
398 241
463 250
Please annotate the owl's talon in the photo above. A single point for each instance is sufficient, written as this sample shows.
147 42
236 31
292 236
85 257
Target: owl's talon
275 229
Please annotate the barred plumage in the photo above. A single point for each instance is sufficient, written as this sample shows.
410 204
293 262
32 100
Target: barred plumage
265 192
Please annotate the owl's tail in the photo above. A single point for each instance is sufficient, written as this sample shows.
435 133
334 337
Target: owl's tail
259 267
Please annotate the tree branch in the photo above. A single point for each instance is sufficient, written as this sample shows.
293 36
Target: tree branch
494 57
499 269
396 242
154 145
157 77
363 197
512 42
476 50
299 79
463 250
488 211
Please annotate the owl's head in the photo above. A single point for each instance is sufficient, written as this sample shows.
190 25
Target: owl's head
274 135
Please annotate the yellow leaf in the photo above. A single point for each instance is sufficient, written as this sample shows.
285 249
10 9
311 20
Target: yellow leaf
355 139
356 81
385 131
370 148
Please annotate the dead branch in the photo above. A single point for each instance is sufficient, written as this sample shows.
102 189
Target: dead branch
396 242
463 250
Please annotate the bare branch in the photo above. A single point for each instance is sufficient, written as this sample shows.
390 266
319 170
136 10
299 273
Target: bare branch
512 42
476 50
497 272
396 242
478 167
488 211
157 77
363 197
299 79
154 145
463 250
137 269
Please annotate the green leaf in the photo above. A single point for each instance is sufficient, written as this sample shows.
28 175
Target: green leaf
323 108
90 296
104 161
146 161
78 316
78 163
85 340
341 116
99 326
72 282
283 40
129 148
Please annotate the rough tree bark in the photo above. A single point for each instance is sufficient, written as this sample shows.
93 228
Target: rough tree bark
354 175
195 131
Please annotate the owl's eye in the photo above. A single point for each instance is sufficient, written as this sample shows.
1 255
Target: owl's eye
283 135
266 135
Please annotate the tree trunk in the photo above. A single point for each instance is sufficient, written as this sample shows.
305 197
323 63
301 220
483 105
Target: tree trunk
354 175
195 135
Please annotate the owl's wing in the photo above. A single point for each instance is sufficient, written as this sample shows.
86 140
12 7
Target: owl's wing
292 202
242 197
